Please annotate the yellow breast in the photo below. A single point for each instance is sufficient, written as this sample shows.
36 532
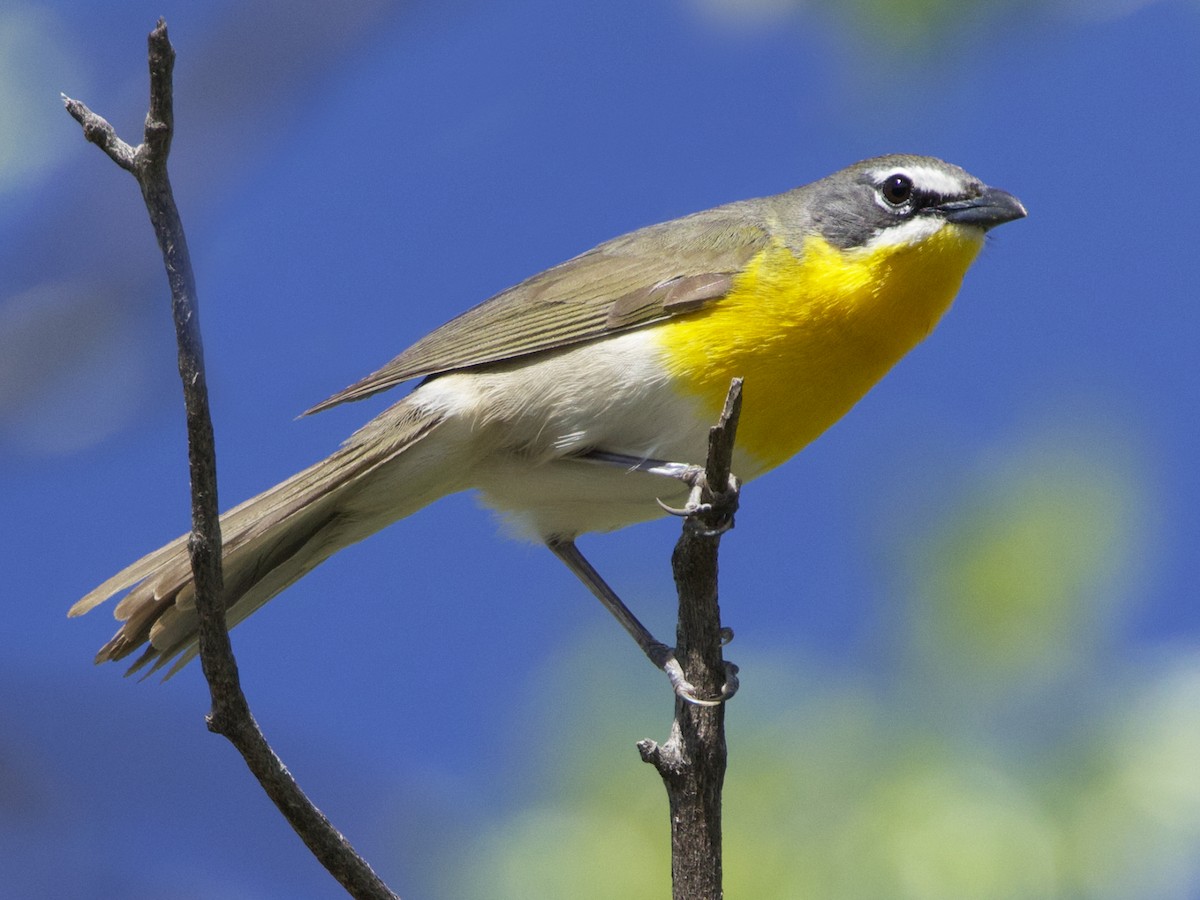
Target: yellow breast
812 332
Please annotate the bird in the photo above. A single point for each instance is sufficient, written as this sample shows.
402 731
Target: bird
580 399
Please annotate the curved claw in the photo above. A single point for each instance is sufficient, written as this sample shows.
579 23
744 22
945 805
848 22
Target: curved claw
695 506
714 532
725 502
685 690
686 511
731 685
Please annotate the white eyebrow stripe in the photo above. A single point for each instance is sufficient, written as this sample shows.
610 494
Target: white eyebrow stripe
937 181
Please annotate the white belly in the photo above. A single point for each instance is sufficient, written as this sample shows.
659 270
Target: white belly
532 420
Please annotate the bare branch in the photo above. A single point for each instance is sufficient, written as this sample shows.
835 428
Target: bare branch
97 130
160 120
692 760
230 714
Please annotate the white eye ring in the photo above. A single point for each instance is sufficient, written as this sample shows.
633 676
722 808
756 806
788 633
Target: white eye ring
896 189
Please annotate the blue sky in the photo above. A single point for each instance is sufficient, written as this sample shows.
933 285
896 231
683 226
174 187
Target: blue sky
351 181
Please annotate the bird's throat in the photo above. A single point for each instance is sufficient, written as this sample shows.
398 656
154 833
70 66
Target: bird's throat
811 332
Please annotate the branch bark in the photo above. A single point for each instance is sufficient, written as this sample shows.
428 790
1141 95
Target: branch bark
692 760
230 713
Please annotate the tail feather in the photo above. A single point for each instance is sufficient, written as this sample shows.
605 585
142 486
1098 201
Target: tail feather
173 633
268 542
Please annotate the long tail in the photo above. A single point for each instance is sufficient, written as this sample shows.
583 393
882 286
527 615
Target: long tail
384 472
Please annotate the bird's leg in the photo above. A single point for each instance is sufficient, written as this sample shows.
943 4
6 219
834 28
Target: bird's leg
656 651
724 500
683 471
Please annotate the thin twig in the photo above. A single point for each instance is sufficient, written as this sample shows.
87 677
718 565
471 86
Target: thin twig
230 714
692 760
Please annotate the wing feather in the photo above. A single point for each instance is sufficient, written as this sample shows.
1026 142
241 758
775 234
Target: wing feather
634 280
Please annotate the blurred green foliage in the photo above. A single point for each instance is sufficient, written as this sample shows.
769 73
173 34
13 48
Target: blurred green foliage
1022 577
992 746
915 28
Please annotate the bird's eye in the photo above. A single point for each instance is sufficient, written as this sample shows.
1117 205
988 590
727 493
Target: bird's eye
897 189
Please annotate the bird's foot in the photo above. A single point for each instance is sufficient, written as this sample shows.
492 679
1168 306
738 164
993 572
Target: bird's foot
707 510
664 657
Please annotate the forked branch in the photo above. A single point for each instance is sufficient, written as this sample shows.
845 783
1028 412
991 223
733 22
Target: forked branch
692 761
230 714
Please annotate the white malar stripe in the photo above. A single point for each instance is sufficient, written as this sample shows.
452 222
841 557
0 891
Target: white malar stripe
910 231
925 178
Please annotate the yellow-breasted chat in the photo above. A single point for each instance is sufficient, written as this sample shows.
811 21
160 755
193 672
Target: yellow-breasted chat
573 401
